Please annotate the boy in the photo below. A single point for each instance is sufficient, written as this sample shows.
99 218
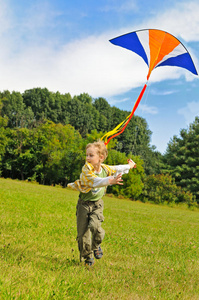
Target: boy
94 179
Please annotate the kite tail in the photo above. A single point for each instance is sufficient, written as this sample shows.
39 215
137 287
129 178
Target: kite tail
121 127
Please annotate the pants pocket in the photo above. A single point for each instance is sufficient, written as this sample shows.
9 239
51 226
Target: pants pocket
101 217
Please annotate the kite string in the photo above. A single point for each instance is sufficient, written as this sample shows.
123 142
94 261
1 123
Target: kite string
145 98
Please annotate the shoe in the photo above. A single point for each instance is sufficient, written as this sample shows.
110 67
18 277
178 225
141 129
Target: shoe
89 261
98 253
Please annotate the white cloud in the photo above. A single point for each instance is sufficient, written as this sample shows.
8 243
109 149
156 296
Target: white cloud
152 110
5 17
181 20
89 65
162 92
92 64
114 101
128 5
190 111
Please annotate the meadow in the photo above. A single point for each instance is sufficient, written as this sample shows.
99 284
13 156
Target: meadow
150 251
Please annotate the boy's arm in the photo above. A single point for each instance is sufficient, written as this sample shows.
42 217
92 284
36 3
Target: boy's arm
124 169
101 182
119 170
89 180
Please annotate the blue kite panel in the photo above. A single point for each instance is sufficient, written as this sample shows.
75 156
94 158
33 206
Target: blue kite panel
131 42
183 61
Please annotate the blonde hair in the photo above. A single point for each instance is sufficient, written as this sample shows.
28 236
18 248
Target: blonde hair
101 148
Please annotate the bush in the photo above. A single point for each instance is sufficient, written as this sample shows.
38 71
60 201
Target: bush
133 184
162 188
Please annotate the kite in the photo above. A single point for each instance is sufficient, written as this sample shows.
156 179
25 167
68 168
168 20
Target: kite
157 48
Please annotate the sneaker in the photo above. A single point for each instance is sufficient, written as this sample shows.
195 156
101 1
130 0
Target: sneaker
89 261
98 253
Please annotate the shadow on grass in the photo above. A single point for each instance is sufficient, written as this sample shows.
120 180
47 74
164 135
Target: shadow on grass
56 261
45 261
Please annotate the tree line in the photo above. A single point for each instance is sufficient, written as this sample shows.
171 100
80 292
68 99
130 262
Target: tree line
43 137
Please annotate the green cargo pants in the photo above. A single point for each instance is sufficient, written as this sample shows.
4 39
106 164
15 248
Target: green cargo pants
89 219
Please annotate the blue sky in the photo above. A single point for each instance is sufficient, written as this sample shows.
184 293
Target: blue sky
64 46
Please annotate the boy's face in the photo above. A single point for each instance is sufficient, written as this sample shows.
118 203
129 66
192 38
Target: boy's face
93 157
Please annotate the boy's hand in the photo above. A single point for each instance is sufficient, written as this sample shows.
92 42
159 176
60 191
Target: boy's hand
116 180
131 163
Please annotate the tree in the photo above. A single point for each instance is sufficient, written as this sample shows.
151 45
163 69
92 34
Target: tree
61 102
182 158
62 153
18 160
14 108
49 153
162 188
47 105
3 137
28 153
83 115
105 111
133 184
58 151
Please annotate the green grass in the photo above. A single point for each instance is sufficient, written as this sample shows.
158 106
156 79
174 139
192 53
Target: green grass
150 251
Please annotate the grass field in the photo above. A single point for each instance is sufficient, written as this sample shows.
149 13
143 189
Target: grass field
150 251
